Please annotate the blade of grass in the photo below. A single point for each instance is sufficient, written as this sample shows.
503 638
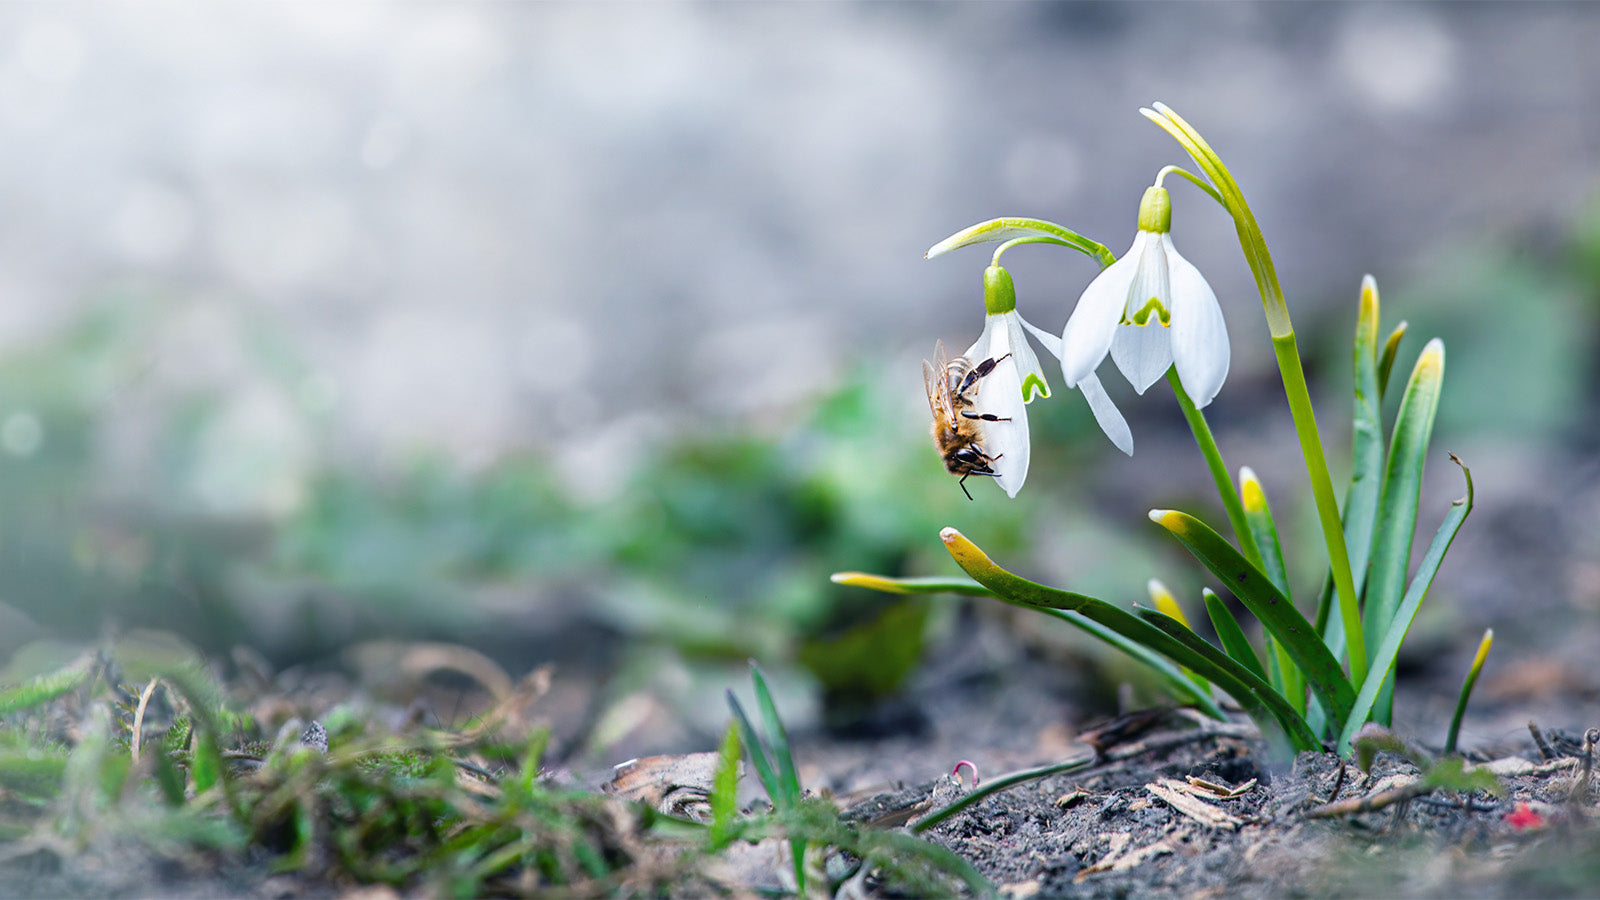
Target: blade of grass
783 761
1402 491
1390 647
42 689
1466 689
1268 605
725 789
1019 591
1231 635
756 750
1253 693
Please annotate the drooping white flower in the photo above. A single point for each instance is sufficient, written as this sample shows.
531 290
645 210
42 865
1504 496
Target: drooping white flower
1014 381
1151 310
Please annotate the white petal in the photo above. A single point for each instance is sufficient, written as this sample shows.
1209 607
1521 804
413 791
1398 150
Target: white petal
1000 394
1143 352
981 348
1087 337
1028 368
1052 343
1199 335
1105 413
1152 281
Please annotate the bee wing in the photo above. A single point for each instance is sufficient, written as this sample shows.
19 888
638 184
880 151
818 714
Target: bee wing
936 377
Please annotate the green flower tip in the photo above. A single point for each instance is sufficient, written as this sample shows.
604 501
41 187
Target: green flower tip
1155 210
1369 300
999 293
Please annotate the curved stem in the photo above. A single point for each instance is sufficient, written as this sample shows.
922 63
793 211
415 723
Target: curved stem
1305 426
1196 180
1219 471
1290 368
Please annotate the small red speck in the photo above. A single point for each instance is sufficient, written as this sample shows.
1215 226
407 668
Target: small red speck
1523 818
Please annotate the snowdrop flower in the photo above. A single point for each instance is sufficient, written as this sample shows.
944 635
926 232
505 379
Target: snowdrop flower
1151 310
1000 396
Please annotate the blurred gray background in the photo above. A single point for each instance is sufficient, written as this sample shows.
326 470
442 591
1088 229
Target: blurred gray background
576 227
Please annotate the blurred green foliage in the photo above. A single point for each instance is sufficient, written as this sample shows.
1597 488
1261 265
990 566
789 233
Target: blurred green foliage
120 503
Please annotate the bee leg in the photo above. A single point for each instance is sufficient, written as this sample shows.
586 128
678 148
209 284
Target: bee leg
978 371
987 417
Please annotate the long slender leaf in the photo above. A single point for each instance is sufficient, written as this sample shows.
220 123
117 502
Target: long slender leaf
1019 591
1383 661
42 689
1466 690
1284 674
1171 675
1402 489
1231 635
935 584
1167 603
1366 441
1009 229
1391 347
757 751
782 760
1253 693
1268 604
995 785
725 789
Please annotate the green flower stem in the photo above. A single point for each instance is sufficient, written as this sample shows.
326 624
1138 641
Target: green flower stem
1290 367
1219 470
1305 426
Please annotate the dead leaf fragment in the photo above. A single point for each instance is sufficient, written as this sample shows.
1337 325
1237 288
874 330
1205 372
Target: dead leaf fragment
1178 795
1217 791
1116 860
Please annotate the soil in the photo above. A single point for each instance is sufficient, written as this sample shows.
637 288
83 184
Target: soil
1130 822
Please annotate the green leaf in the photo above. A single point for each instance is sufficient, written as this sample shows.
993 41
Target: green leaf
996 785
44 688
1012 228
1391 347
783 762
1019 591
1402 490
757 751
1366 442
1466 689
935 584
1383 658
725 789
1171 675
1284 674
1268 605
1231 635
1253 693
1176 680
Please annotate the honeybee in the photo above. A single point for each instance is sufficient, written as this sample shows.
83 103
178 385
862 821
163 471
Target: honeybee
957 427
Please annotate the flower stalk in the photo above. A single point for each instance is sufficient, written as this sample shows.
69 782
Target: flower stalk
1290 367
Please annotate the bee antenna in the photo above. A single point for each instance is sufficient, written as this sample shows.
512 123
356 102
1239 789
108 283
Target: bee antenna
963 483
